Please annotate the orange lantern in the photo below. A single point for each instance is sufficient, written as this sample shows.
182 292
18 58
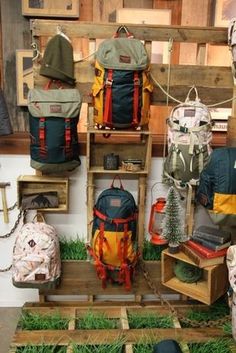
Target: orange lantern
155 221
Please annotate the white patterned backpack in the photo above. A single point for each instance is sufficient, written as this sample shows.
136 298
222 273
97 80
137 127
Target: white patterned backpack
231 264
189 138
36 256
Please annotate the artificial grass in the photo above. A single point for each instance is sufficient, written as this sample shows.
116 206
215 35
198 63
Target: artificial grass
116 347
35 321
149 320
214 312
95 321
213 346
73 249
143 348
41 349
152 252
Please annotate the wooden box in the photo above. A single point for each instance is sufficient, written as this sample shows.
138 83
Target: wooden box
133 145
213 284
31 184
51 8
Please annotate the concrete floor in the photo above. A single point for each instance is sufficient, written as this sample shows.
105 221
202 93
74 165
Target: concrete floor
8 321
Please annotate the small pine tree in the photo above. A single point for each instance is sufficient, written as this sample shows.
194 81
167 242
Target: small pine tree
172 224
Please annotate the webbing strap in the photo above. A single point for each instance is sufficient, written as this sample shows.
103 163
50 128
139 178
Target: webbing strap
42 137
107 118
68 150
114 220
136 98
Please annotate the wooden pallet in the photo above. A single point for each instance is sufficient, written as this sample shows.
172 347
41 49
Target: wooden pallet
129 335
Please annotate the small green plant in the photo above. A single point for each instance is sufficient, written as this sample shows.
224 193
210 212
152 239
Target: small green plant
227 328
73 249
115 347
212 346
35 321
41 349
215 311
143 348
152 252
149 320
92 321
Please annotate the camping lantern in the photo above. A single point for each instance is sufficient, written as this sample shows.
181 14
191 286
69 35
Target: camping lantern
156 217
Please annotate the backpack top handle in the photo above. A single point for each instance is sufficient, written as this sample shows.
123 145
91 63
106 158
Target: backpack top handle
121 185
193 88
124 29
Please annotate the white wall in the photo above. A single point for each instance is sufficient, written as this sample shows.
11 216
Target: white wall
69 224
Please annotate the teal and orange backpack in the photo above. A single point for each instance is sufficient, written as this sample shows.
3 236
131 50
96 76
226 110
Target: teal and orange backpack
122 87
114 240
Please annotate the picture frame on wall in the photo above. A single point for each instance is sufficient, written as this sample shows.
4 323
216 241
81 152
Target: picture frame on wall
24 75
50 8
225 10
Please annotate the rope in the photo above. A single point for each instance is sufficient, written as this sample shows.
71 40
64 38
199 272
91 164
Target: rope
178 101
170 48
86 57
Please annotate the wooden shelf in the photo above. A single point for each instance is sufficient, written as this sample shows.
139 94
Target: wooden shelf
125 144
212 286
32 184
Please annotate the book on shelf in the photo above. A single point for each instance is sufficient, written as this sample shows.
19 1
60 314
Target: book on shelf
205 252
210 244
199 260
212 234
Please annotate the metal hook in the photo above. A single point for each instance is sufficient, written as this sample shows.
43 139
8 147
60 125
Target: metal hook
36 51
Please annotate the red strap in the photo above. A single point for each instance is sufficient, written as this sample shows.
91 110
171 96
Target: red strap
42 137
107 118
101 239
68 149
136 98
125 276
114 220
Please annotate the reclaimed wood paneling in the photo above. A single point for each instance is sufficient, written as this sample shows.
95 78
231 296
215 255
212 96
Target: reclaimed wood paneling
141 4
175 7
105 11
15 35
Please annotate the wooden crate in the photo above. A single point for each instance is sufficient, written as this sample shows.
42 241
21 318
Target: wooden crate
125 144
130 336
50 8
30 184
207 290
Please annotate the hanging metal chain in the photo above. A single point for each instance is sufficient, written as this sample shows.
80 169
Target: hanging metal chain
184 319
22 212
6 269
10 208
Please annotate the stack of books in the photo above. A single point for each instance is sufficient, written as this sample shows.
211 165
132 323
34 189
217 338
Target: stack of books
208 246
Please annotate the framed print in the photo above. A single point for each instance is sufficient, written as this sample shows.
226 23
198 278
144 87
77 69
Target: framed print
24 75
50 8
225 10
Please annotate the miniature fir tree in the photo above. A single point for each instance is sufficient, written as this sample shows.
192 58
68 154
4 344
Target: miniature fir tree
172 224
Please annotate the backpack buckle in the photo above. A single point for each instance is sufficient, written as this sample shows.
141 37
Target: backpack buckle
109 220
183 129
108 82
137 82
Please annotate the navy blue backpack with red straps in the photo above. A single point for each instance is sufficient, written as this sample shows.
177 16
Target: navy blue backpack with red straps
114 240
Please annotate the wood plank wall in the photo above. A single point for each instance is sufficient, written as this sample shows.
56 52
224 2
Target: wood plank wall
16 35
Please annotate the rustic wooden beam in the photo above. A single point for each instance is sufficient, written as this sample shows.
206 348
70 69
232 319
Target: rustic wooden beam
131 336
93 30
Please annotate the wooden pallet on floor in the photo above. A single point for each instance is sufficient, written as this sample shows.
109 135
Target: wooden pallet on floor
130 336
